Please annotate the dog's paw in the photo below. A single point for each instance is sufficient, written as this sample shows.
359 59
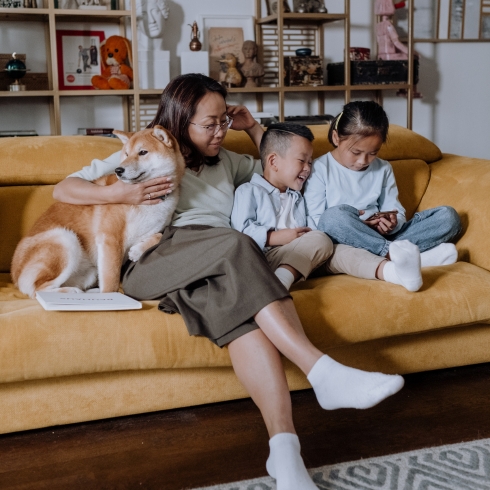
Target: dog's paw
136 251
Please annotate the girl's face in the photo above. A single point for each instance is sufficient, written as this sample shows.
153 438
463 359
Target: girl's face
210 112
356 153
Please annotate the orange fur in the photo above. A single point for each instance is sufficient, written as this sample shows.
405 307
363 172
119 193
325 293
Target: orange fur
94 240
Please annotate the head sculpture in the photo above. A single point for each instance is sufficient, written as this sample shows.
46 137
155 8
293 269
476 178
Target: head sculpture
384 7
151 15
249 49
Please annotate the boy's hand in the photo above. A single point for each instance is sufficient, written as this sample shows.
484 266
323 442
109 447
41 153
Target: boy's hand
283 237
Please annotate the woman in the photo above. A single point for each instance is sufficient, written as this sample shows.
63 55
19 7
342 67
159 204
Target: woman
218 279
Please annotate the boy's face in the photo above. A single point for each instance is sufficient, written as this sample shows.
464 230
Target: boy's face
356 153
293 168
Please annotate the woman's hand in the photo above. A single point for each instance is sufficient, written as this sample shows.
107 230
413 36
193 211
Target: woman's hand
242 119
283 237
147 193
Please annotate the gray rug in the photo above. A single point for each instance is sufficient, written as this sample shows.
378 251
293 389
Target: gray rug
464 466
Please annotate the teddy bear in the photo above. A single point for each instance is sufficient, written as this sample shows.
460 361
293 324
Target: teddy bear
115 54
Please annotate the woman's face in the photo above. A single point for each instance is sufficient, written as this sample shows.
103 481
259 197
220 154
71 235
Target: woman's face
211 110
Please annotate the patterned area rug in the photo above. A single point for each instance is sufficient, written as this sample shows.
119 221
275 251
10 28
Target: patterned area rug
464 466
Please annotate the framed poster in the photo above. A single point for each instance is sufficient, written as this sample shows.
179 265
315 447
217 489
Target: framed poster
224 34
78 58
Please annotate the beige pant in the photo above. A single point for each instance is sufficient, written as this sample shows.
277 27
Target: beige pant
314 251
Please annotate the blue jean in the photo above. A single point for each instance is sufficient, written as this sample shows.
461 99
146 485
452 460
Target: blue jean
426 229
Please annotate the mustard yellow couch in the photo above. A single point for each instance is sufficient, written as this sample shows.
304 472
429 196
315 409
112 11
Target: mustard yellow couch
65 367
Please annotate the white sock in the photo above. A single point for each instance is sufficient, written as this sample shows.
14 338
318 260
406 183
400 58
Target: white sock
404 267
443 254
339 386
286 465
285 276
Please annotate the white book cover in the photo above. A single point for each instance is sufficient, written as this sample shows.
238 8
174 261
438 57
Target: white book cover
86 301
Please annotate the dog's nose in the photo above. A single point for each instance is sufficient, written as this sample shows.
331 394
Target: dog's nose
119 171
110 55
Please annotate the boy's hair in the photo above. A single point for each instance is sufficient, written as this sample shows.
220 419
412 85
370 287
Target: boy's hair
278 137
360 118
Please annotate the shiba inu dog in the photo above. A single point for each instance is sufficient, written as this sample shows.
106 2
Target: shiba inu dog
73 247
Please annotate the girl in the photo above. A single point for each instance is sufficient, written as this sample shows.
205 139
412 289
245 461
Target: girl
350 186
201 268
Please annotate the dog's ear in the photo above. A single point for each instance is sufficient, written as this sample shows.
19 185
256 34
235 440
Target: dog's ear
160 133
123 136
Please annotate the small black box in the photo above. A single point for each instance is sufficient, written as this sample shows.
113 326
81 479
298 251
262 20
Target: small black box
372 72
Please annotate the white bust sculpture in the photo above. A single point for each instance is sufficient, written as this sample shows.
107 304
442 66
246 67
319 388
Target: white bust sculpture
150 15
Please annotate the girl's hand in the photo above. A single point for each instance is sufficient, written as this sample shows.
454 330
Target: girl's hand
147 193
242 119
385 224
283 237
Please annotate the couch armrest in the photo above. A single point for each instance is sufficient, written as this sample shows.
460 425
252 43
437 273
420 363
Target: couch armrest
464 184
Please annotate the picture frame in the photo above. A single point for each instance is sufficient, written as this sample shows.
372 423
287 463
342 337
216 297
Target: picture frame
77 66
228 34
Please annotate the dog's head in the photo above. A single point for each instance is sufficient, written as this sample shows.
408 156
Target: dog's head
148 154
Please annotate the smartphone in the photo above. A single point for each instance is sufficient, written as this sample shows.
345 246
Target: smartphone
381 214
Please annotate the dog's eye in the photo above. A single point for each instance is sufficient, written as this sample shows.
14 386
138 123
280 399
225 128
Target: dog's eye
142 152
116 50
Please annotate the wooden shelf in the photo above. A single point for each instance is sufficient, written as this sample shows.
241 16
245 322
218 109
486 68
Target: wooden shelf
27 93
306 18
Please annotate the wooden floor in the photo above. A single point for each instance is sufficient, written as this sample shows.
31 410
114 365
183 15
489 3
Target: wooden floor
225 442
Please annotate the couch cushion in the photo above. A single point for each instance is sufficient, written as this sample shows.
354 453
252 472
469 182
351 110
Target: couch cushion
20 206
335 311
49 159
402 144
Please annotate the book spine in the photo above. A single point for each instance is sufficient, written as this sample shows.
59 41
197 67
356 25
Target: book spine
96 131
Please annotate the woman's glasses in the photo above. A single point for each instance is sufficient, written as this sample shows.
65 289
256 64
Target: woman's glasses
213 129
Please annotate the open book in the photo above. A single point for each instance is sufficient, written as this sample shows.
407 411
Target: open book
86 301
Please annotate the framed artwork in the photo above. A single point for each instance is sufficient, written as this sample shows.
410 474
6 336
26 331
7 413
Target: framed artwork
224 34
78 58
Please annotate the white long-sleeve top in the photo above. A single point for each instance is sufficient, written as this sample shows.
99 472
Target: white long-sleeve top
372 190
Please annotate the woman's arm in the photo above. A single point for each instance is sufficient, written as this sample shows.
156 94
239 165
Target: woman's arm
78 188
243 121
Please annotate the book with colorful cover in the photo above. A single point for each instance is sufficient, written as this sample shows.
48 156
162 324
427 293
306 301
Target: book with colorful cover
86 301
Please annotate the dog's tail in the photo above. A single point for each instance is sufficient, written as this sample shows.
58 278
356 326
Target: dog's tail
46 261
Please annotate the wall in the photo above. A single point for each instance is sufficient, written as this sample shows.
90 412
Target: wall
454 79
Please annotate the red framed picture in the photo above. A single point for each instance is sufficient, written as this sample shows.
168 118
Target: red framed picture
78 58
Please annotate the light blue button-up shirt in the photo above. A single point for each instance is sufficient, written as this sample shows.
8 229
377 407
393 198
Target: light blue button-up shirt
256 208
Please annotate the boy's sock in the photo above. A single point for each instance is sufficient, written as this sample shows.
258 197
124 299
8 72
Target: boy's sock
339 386
286 465
404 266
443 254
285 276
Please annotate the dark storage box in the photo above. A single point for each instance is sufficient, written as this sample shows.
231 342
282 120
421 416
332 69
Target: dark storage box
372 72
303 71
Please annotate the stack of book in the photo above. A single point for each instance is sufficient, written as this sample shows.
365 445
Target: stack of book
97 132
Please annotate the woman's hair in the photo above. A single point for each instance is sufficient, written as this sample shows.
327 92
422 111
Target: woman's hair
177 107
277 138
360 118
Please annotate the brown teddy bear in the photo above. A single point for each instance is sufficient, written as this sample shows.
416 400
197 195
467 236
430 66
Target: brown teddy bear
115 54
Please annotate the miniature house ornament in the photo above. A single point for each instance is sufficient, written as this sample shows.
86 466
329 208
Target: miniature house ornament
195 44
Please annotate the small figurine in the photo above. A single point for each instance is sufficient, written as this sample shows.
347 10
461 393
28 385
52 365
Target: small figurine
250 69
229 74
195 44
389 46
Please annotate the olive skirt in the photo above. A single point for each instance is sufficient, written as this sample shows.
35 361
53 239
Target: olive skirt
216 278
